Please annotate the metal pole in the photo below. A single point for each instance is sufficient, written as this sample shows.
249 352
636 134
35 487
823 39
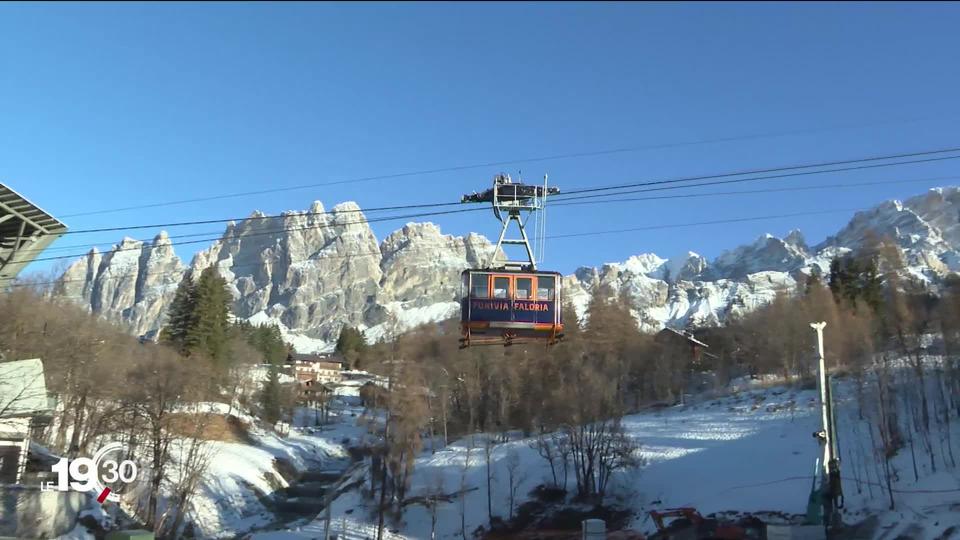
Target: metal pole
327 513
526 241
824 435
503 233
830 484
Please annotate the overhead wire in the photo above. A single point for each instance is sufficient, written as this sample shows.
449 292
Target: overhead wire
714 180
752 191
542 232
456 168
572 198
271 232
572 201
255 217
702 223
783 169
433 250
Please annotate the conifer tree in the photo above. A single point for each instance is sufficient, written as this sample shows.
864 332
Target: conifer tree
814 280
211 331
199 317
351 344
181 317
270 398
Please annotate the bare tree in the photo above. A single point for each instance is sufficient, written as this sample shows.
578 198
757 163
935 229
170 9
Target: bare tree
515 477
487 453
463 488
192 461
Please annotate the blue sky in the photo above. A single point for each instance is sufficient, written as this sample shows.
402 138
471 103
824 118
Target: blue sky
107 105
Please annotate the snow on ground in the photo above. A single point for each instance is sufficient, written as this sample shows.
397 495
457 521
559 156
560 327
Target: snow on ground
405 318
213 407
259 373
301 343
229 501
752 451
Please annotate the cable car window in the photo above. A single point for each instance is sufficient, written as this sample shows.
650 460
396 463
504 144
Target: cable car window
524 289
545 288
480 287
500 287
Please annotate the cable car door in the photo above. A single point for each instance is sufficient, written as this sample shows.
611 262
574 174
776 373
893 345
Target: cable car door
527 306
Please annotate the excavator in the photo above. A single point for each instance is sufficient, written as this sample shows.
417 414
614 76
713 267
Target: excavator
690 525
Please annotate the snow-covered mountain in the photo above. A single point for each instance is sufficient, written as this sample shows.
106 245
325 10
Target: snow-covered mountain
313 272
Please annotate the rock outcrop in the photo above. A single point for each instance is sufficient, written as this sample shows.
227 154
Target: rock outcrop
312 272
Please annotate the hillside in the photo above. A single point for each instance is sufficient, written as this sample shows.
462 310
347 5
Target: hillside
749 452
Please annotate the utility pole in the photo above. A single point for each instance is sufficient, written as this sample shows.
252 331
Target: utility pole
327 511
830 489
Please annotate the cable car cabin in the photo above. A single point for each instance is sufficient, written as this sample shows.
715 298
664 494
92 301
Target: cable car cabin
504 306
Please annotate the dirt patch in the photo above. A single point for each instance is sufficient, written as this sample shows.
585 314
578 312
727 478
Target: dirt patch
211 427
538 518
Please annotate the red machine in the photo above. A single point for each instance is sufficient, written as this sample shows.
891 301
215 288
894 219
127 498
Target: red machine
692 526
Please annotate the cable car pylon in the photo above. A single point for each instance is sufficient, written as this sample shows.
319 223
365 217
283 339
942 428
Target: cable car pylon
511 301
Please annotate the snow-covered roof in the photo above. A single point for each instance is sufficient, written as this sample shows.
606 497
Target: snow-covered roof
23 390
685 335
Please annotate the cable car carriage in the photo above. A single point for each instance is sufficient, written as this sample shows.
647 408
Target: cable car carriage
510 306
511 302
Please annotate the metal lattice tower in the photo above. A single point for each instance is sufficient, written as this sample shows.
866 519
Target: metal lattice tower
513 202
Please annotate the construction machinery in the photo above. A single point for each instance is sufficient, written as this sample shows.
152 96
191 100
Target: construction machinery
688 524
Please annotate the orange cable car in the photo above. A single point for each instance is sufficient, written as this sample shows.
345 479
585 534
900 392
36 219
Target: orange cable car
504 306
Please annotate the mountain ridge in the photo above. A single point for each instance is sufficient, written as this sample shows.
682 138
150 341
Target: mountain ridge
312 272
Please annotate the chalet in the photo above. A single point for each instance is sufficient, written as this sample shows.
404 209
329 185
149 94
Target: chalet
24 409
320 368
313 391
372 394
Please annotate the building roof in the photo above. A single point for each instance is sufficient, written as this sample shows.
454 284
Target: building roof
317 357
25 231
685 335
23 390
688 336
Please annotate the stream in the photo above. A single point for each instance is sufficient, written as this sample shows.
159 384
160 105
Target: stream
305 497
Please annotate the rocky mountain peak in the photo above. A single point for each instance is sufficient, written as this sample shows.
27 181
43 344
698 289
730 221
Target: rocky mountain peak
796 238
312 272
766 253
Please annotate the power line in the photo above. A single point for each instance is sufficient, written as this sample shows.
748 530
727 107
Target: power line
752 191
578 203
700 223
424 172
433 250
249 218
755 178
782 169
572 201
277 231
576 193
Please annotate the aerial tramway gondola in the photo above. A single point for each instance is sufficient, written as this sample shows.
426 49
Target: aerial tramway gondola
509 301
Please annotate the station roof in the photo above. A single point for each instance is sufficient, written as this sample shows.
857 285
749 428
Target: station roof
25 230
